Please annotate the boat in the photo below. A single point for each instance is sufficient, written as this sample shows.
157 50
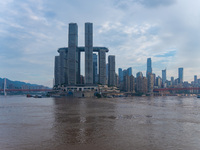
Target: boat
29 95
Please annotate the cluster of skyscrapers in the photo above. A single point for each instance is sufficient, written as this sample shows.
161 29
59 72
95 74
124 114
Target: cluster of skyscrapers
67 71
142 84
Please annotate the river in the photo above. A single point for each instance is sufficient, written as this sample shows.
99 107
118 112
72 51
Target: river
141 123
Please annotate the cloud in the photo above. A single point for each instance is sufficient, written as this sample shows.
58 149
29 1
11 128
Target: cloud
133 30
155 3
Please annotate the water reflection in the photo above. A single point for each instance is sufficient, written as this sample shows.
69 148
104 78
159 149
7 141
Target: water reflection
79 121
140 123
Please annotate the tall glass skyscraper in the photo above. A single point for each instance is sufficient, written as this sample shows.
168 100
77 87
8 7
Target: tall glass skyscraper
120 73
180 75
149 68
129 71
88 53
95 76
73 55
164 76
111 70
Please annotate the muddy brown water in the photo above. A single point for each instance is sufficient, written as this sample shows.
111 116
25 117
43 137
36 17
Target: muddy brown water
141 123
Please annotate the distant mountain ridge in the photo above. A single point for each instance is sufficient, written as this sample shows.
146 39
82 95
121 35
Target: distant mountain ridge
20 85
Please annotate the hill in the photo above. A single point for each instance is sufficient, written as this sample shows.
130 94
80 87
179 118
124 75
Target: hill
20 85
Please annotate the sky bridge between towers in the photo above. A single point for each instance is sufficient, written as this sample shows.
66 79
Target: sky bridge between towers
82 49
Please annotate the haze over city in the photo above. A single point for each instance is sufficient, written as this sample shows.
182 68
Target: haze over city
133 30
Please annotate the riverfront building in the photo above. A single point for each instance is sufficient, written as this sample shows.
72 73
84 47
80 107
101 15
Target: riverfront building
149 68
95 75
111 70
67 64
88 54
180 75
164 76
120 73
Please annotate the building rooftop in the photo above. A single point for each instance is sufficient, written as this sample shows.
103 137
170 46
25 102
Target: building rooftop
82 49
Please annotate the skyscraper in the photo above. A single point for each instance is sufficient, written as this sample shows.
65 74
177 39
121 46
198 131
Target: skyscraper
149 68
67 64
88 53
120 73
95 76
102 67
125 73
111 70
172 80
57 71
129 71
164 76
139 74
72 53
150 82
63 66
195 79
180 75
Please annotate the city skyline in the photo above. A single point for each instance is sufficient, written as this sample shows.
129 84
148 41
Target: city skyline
31 32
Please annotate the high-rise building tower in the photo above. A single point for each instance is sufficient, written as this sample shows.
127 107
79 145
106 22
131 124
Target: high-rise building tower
88 53
57 71
63 66
164 76
149 68
172 80
73 66
129 71
125 73
139 74
195 79
111 70
180 75
120 73
150 82
102 67
95 76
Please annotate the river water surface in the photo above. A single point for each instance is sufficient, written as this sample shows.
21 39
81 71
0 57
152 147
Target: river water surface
141 123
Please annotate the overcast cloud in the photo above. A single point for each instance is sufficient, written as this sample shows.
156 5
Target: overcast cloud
168 31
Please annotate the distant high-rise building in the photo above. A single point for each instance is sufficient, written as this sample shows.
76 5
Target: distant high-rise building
150 82
125 72
95 75
139 74
126 83
63 66
68 63
154 78
129 71
111 70
107 73
176 81
120 73
141 85
195 79
180 75
57 71
159 82
149 68
88 53
132 84
164 76
116 80
102 67
73 55
172 79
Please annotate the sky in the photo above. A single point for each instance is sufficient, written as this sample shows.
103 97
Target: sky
167 31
